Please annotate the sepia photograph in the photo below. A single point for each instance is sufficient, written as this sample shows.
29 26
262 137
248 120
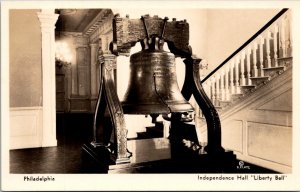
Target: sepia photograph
135 95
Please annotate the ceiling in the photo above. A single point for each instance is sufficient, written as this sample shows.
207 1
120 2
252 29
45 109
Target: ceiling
75 20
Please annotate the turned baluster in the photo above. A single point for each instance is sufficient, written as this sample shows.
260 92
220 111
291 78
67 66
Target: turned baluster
261 56
254 59
288 35
248 66
282 39
226 82
275 44
222 89
217 88
232 88
268 49
237 75
213 96
242 68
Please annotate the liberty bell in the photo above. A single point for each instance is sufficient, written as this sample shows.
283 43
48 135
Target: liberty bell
153 87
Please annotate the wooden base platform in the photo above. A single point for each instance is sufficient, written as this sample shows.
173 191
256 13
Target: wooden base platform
158 155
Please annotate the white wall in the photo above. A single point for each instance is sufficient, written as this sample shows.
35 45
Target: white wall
25 74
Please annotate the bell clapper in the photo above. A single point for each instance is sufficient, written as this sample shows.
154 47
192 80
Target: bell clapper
154 117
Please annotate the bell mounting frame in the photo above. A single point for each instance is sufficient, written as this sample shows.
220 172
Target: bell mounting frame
126 33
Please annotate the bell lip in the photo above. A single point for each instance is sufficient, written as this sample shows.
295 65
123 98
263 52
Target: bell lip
145 109
181 108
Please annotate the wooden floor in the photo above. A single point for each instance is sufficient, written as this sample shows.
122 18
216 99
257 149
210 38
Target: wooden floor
73 130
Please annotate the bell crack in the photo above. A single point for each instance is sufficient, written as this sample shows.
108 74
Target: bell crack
160 97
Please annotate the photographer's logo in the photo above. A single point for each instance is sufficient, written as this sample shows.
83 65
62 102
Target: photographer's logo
242 165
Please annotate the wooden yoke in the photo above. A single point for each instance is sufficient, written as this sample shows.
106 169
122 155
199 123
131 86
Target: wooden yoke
127 32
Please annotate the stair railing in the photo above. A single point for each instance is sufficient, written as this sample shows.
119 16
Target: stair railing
251 61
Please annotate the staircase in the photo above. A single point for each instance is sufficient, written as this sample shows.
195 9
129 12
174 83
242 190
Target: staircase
156 131
261 60
247 75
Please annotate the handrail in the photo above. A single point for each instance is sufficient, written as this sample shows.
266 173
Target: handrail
246 43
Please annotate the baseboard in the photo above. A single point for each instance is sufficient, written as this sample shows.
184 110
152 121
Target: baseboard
49 142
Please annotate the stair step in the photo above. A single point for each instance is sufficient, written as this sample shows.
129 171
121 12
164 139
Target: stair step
245 89
142 135
285 61
259 80
272 71
159 124
237 96
157 130
153 132
146 135
154 129
223 104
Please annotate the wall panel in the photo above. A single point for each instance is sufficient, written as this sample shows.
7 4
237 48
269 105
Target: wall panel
232 135
25 127
270 142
